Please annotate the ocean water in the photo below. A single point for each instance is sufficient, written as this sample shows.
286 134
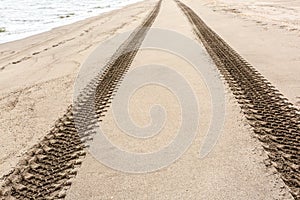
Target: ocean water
23 18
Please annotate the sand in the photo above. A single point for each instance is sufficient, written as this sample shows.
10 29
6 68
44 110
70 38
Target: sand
36 90
274 50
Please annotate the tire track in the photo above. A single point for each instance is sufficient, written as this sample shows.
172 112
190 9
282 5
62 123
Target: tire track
275 121
46 170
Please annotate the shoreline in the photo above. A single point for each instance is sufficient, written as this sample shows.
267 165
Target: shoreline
57 24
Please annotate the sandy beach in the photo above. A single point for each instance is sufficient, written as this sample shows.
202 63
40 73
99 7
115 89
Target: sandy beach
38 73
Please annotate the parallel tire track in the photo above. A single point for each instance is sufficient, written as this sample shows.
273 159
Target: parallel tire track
274 120
45 171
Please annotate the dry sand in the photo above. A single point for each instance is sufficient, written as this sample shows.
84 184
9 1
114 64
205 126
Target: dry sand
36 91
273 50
